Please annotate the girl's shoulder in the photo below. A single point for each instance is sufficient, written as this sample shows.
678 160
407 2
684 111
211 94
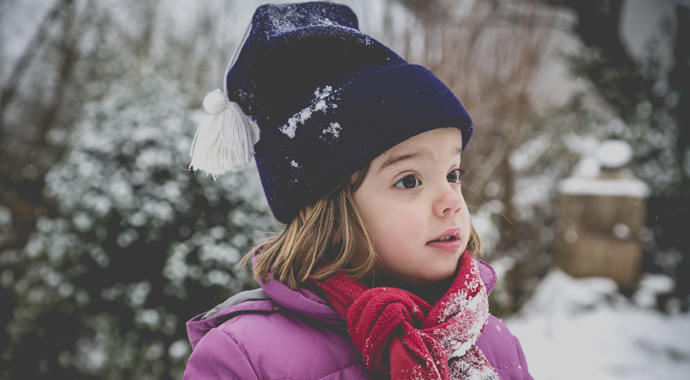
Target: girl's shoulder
251 336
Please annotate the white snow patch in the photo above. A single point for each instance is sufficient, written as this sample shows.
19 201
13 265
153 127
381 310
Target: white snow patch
319 103
614 153
305 115
320 106
588 167
583 329
290 128
284 18
587 176
650 286
333 129
625 187
323 94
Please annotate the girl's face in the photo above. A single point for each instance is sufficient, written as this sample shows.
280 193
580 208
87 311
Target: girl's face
412 206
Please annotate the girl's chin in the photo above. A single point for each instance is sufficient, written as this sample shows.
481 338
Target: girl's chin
442 274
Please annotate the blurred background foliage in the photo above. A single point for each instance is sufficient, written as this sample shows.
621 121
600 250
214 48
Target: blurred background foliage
108 244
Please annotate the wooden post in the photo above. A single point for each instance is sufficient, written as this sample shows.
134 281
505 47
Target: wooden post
602 209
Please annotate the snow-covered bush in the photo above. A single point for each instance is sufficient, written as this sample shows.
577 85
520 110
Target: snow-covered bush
139 245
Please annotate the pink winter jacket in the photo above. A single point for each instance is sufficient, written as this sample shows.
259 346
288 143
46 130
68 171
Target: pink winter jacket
279 333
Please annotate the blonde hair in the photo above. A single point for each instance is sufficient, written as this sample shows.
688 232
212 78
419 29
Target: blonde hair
333 234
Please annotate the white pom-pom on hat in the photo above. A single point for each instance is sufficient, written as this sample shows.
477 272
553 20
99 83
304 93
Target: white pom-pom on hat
224 141
215 101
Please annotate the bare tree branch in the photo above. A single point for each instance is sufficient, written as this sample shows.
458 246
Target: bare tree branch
10 87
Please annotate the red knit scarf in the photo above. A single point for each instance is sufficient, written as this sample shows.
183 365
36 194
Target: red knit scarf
401 335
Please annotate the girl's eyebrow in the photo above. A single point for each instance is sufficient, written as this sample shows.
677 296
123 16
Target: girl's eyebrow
392 160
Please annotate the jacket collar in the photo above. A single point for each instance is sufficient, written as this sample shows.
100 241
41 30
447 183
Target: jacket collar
488 275
302 300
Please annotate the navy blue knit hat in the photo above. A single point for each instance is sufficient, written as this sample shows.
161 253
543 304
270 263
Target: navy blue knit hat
327 100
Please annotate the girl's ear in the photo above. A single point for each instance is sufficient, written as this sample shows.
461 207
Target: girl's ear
305 213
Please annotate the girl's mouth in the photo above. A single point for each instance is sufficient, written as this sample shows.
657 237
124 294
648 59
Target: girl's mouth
445 238
448 241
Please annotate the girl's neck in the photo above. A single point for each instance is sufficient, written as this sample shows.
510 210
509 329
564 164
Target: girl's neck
430 292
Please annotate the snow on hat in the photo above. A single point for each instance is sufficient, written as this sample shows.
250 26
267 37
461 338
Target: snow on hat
314 100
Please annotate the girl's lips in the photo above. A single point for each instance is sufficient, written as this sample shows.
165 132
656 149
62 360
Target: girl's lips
449 245
452 244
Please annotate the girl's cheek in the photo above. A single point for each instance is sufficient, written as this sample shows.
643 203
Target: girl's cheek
403 223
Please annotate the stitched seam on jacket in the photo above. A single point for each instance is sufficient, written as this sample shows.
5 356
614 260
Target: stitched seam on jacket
241 349
339 370
521 355
506 367
510 366
241 313
518 351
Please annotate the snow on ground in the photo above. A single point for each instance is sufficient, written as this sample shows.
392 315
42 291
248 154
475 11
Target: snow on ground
584 329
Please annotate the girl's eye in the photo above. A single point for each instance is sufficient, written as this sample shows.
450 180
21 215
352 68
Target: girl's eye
408 182
455 175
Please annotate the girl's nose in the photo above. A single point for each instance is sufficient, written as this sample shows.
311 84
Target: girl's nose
449 201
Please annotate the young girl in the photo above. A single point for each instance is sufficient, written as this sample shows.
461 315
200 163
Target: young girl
359 155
